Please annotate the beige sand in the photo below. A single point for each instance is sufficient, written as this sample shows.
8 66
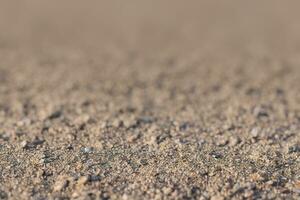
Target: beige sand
150 100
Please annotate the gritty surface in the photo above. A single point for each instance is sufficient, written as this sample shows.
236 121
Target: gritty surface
181 101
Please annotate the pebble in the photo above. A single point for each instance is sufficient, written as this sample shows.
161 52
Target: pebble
167 190
151 141
222 141
125 197
55 115
248 194
216 155
233 141
24 122
103 125
132 137
31 145
24 144
256 177
116 123
129 122
88 149
83 180
94 178
46 158
260 112
3 195
75 195
294 149
255 132
61 183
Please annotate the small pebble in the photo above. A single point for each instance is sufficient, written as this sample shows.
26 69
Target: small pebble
61 184
83 180
87 149
294 149
116 123
255 132
260 112
129 122
55 115
24 144
31 145
103 125
132 137
24 122
216 155
222 142
233 141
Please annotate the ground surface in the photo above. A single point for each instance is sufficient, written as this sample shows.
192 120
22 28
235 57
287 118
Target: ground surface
150 100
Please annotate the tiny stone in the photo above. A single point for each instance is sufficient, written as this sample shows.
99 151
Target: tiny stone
167 190
116 123
129 122
248 194
256 177
61 184
125 197
103 125
69 147
87 149
24 122
132 137
216 155
233 141
294 149
260 112
55 115
151 141
270 182
255 132
33 144
83 180
3 195
24 144
94 178
221 142
75 194
184 126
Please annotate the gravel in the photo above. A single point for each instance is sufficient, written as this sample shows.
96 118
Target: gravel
150 100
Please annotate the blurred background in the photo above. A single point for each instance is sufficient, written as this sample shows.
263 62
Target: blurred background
153 25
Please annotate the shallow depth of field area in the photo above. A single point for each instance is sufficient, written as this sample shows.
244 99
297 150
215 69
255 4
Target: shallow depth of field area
149 100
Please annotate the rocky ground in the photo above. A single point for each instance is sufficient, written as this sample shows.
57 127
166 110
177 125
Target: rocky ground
137 100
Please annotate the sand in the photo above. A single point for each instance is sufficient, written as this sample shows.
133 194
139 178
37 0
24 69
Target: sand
150 100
